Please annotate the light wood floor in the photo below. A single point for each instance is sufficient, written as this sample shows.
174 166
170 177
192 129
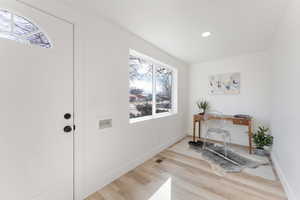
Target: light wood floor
180 177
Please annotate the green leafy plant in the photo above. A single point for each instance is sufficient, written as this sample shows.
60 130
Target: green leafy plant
203 106
261 138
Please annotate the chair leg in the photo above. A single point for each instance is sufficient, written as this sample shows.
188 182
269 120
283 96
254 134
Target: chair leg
229 139
227 142
225 145
207 135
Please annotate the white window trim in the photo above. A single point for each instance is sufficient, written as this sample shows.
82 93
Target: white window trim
174 109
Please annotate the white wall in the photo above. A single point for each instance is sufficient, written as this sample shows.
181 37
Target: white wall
286 98
109 153
254 97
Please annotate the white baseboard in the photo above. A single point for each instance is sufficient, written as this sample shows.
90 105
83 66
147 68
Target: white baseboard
287 188
133 164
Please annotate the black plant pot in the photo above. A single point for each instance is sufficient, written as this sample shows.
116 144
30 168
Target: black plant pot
202 113
261 152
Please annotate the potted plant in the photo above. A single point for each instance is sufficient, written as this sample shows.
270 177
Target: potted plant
203 106
262 139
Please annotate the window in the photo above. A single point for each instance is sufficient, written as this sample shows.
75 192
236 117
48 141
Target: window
17 28
152 88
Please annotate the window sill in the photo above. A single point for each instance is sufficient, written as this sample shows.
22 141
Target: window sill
157 116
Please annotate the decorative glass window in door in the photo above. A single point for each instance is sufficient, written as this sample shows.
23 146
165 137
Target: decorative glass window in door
17 28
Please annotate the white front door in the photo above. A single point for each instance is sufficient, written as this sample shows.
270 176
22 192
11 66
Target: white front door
36 91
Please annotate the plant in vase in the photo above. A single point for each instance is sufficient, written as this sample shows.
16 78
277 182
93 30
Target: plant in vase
203 106
262 139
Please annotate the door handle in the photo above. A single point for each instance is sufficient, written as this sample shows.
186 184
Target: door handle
67 129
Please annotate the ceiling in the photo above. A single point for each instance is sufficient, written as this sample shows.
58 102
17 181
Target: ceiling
175 26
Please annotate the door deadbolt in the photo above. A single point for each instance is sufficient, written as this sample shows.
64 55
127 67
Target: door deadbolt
67 129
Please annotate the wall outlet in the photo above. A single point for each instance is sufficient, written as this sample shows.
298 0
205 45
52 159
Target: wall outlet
105 123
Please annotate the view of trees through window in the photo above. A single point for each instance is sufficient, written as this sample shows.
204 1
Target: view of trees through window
150 87
163 85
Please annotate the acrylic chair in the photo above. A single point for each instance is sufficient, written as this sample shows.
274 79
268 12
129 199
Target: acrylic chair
214 124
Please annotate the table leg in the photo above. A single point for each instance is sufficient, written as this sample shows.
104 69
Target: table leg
199 129
194 131
250 138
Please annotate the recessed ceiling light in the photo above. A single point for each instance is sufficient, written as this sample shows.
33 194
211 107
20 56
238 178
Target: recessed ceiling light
206 34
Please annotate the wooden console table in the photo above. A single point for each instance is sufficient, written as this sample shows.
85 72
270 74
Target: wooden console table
237 121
